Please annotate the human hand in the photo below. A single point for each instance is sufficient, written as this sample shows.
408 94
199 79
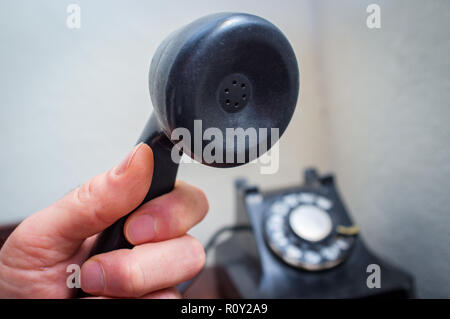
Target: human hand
34 258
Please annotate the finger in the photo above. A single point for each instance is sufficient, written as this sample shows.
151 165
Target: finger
143 269
169 293
91 207
167 216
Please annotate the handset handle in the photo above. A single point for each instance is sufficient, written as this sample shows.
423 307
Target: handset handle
163 181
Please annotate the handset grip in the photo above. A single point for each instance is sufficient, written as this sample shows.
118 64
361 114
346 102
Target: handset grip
164 175
163 181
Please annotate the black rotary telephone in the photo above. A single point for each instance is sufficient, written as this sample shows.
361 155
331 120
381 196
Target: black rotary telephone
301 243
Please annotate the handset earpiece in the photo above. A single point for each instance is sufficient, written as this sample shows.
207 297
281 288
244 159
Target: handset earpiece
227 70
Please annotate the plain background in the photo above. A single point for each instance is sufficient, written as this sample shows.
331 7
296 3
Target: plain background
374 109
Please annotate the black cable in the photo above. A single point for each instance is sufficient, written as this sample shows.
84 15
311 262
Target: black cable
222 230
211 242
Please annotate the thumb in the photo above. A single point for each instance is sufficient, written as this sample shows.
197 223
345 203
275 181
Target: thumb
63 226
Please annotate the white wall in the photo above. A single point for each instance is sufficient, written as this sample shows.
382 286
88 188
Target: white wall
373 107
387 99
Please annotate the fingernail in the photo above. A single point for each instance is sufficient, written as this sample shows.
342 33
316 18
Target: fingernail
122 167
92 277
141 229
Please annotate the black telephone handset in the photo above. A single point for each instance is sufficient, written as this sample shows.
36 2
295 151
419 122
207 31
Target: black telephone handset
302 244
229 71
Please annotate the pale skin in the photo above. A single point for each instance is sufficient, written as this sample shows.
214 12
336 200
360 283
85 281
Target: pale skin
34 259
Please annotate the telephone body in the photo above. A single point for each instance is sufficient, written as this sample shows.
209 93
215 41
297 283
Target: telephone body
302 243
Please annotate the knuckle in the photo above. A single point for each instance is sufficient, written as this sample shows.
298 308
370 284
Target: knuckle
84 192
204 204
169 293
91 199
128 278
176 206
198 198
198 261
111 179
137 279
194 198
